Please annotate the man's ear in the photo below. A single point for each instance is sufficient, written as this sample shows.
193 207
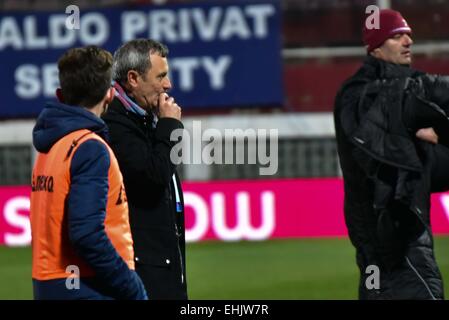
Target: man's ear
376 53
59 95
132 78
110 94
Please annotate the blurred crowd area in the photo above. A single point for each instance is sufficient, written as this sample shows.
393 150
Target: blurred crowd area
321 48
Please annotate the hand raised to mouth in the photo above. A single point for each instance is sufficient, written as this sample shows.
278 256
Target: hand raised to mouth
168 108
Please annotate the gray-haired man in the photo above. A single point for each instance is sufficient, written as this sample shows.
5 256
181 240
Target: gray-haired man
140 120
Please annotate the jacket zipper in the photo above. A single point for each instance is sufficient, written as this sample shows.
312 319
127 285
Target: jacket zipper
178 236
180 255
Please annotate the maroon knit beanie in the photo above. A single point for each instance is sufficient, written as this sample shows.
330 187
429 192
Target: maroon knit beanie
390 23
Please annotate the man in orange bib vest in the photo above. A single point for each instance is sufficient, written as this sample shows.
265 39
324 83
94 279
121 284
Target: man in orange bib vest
81 239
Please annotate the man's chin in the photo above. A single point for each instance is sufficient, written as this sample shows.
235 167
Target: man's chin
407 59
405 62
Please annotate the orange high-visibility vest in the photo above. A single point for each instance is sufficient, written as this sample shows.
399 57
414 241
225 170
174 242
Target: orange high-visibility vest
51 247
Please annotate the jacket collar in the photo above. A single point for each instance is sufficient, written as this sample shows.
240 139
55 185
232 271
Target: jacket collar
374 68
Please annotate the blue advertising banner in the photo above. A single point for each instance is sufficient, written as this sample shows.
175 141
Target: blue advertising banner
220 55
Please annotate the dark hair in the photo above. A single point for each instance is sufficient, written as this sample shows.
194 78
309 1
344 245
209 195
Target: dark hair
85 75
135 55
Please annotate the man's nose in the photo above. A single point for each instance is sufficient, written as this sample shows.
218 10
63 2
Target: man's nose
408 40
167 84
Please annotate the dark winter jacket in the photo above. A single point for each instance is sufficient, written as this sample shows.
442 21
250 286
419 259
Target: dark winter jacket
157 226
86 209
389 174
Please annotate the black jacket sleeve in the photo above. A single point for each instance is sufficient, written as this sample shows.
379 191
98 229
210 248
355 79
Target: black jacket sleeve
429 107
142 158
437 90
426 105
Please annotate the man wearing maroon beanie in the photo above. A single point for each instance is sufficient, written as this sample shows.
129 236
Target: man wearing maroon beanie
392 132
392 40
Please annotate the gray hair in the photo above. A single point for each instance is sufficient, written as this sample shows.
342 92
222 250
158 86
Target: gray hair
134 55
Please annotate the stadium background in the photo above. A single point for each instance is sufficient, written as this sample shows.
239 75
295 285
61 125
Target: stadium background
309 256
